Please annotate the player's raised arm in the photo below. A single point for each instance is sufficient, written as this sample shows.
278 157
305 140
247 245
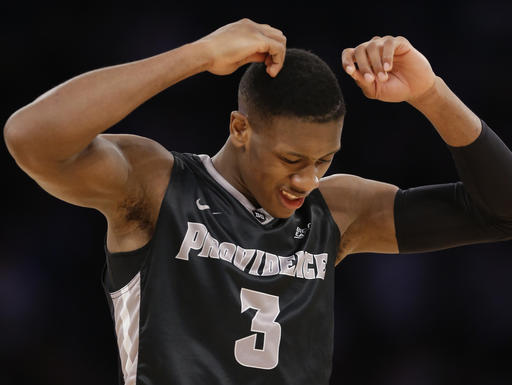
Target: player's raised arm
476 209
56 140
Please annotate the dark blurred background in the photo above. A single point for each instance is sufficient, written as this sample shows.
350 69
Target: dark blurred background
435 318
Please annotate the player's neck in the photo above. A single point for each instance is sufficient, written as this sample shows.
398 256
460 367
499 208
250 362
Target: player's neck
226 164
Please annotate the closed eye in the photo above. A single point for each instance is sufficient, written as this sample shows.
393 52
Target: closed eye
290 161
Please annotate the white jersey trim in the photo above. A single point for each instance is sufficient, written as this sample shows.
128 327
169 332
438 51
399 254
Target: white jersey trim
208 164
126 303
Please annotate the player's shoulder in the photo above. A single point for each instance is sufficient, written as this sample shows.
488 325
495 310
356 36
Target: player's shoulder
347 185
343 194
352 191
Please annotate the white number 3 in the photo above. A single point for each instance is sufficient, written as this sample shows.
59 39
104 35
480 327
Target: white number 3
267 310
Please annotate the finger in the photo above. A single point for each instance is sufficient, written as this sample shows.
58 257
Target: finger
364 64
388 51
348 63
269 52
367 88
268 60
347 60
373 51
273 33
274 62
276 51
359 79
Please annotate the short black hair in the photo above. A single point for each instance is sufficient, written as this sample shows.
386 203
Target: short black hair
305 88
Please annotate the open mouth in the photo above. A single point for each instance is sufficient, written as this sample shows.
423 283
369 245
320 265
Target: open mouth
290 200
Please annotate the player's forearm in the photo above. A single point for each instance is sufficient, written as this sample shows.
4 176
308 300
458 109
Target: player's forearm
483 161
453 120
64 120
477 210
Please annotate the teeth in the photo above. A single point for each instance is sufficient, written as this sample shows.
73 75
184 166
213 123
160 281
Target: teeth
288 195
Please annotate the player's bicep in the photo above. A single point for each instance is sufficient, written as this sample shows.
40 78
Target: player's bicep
95 177
373 227
363 210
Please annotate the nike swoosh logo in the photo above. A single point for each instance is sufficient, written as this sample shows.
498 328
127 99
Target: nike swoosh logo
201 207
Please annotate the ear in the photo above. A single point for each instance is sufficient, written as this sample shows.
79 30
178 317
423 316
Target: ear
239 129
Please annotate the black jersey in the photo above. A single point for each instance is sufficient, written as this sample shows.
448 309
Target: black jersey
226 295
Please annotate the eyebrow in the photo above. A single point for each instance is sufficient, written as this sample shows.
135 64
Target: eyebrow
304 156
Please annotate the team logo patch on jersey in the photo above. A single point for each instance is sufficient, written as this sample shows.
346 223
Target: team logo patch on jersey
301 233
259 216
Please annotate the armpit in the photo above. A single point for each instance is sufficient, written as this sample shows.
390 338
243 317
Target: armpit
136 211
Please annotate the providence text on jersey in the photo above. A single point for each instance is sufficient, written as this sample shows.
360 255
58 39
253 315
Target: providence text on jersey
301 265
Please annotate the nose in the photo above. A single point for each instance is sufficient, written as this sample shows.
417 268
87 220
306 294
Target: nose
305 180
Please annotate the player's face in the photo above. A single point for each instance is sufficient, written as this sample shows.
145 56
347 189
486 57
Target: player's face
283 162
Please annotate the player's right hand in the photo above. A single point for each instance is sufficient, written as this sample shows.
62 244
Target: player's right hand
245 42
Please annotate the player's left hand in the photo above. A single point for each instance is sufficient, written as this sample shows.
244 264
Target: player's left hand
389 69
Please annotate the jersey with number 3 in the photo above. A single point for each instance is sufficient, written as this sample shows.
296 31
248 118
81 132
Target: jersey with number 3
226 296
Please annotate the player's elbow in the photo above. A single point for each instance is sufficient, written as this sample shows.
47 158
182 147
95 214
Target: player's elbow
499 224
504 222
499 215
19 139
13 135
490 211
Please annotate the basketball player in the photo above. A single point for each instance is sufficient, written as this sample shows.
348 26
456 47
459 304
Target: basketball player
221 270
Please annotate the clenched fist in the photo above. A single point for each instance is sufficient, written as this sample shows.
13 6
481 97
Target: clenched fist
389 69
